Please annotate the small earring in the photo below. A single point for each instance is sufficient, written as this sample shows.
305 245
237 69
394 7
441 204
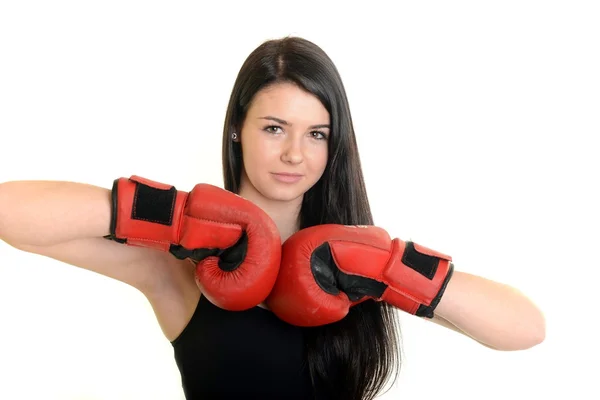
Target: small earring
234 136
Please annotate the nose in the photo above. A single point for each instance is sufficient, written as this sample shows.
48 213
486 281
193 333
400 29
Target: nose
292 150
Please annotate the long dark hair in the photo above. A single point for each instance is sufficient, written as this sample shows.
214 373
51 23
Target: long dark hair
353 358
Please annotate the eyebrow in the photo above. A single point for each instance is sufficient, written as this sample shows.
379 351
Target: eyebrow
283 122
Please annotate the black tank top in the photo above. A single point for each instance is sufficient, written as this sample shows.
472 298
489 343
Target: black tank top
241 355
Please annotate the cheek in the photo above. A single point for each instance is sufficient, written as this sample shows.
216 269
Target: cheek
258 154
318 160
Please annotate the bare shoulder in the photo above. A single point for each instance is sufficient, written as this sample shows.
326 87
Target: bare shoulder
167 283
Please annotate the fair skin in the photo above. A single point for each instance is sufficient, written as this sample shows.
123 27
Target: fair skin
494 314
285 131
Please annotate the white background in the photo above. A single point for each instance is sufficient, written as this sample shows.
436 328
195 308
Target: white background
484 117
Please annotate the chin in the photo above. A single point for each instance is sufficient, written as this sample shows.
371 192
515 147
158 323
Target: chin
283 194
285 197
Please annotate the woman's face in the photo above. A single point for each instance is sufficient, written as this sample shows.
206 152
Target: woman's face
284 142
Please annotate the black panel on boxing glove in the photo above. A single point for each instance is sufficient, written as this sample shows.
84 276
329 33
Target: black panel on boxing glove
424 264
153 205
329 277
149 204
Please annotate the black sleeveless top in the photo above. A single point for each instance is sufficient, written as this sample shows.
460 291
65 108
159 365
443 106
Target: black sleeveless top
248 354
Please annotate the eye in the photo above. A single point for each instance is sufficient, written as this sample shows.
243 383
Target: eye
318 135
272 128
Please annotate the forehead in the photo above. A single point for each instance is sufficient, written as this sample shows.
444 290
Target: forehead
289 102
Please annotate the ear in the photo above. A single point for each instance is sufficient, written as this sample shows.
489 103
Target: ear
235 133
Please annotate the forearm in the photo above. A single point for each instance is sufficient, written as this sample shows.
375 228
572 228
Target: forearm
492 313
41 213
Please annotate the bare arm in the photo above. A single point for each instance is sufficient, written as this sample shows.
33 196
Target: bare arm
494 314
66 221
43 213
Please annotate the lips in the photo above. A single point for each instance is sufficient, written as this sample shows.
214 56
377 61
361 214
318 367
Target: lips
287 177
286 174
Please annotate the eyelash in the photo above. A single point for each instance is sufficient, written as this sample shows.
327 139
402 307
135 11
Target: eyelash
267 129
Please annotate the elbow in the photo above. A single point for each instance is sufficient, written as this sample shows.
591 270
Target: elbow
532 334
532 329
518 344
536 337
538 332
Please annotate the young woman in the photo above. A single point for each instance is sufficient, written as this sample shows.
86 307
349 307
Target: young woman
288 148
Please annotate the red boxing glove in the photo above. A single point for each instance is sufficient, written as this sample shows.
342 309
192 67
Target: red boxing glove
327 269
235 245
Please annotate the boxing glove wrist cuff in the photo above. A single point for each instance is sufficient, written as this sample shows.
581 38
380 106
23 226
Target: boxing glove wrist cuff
145 213
416 277
427 311
408 276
